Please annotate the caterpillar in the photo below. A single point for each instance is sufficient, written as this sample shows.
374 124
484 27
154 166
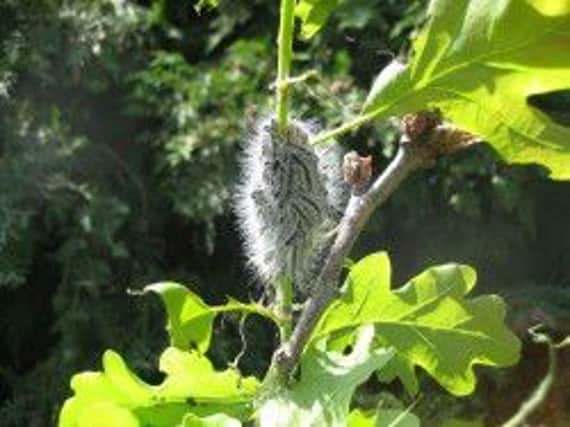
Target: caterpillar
289 198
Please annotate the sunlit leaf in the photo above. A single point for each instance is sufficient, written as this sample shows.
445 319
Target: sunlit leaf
396 418
219 420
191 386
321 397
190 319
479 63
429 322
382 418
360 418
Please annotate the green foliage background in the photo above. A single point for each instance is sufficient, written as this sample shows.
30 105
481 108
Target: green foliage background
120 126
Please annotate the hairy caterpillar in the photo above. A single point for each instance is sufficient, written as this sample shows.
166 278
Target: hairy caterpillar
289 198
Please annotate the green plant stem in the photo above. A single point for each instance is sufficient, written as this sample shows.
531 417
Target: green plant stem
344 128
284 287
284 308
285 57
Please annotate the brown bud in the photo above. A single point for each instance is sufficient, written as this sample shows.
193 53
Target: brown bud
427 131
419 124
357 171
446 139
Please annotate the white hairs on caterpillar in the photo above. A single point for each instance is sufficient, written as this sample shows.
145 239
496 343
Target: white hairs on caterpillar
290 197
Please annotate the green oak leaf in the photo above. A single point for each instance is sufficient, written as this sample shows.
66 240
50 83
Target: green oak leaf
402 368
382 418
360 418
191 388
479 63
313 15
218 420
190 319
322 395
429 322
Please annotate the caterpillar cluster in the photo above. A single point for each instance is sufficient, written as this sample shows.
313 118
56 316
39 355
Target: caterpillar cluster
290 197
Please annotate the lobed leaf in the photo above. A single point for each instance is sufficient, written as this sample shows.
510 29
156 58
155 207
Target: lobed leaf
190 319
479 63
321 398
219 420
192 389
429 322
382 418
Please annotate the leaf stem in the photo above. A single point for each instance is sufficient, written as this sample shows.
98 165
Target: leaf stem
284 287
284 307
354 124
285 57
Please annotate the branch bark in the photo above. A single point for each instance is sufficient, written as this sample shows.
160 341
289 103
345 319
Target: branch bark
540 394
409 158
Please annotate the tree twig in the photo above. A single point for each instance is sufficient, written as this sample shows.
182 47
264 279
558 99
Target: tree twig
425 136
541 392
410 157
